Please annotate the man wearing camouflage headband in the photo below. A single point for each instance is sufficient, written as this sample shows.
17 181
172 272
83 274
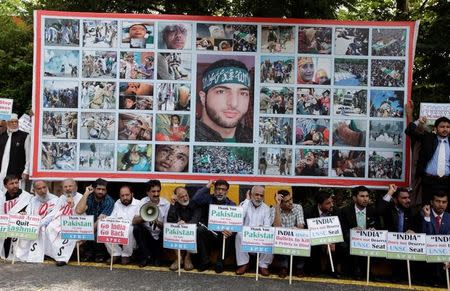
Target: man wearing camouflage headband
225 98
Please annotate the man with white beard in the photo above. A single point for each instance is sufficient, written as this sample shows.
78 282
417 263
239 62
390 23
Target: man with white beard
125 208
58 249
43 204
12 201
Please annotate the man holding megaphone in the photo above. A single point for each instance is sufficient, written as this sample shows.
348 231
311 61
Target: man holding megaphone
148 223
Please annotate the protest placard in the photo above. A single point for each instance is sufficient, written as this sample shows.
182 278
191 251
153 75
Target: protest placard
4 221
257 239
325 230
369 243
113 231
180 236
77 227
433 111
438 248
25 123
406 246
23 226
292 241
6 106
225 217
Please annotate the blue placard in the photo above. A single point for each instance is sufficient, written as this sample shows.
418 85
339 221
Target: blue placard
256 249
222 227
77 236
180 246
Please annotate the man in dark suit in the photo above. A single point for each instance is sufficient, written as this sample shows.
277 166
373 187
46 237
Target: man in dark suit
394 209
358 215
433 164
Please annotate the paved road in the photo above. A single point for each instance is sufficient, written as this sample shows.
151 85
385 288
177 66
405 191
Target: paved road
21 276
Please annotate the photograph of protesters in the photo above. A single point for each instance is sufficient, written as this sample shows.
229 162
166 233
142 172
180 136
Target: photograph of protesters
60 94
352 41
388 42
97 126
313 101
174 36
226 37
388 73
99 64
350 102
59 125
96 157
137 34
171 158
276 100
275 130
136 65
386 103
276 69
314 40
274 161
385 134
349 132
312 131
61 63
58 156
385 165
174 66
172 127
98 95
350 72
134 157
310 162
62 32
346 163
100 33
314 70
135 126
223 160
135 95
277 39
174 96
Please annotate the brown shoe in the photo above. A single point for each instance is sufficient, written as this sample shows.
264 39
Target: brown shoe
283 273
242 269
125 260
264 272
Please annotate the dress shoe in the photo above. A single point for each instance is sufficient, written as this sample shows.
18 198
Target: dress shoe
142 263
203 267
218 268
99 259
264 272
60 263
125 260
242 269
283 273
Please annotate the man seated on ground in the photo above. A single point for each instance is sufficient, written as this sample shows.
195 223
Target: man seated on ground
124 208
207 241
287 214
182 211
256 213
148 234
95 202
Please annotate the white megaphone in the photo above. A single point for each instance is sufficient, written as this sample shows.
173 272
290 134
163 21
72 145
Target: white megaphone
149 212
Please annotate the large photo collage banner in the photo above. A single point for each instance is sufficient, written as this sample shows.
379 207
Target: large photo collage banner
252 100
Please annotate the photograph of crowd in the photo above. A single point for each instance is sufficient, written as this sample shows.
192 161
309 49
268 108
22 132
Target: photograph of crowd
174 36
96 157
385 165
312 131
174 66
100 33
62 32
385 134
99 64
135 126
135 95
349 132
61 63
59 125
58 156
314 70
136 65
313 101
137 34
98 126
174 96
275 130
60 94
345 163
314 40
276 100
310 162
226 37
386 103
171 158
134 157
388 42
98 95
276 69
350 72
352 41
277 39
172 127
223 160
275 161
350 102
388 73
